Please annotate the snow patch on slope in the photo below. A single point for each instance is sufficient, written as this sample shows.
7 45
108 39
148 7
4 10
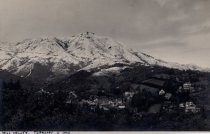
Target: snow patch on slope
112 70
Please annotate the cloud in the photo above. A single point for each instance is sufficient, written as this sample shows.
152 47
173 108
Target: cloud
152 25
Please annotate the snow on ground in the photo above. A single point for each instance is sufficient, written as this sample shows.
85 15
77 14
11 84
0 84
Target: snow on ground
84 51
112 70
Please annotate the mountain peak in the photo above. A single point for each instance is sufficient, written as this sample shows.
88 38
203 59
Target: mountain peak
86 34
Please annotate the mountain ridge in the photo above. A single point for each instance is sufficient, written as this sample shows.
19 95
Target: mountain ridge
55 57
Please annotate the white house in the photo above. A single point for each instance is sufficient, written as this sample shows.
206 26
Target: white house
189 107
162 92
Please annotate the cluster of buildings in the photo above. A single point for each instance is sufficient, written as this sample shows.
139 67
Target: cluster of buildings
104 104
186 87
166 88
188 107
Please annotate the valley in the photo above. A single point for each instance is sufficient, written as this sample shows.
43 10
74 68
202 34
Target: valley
89 82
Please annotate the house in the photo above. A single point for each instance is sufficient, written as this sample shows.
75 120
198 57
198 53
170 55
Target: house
168 96
121 107
161 92
181 105
88 102
42 91
189 107
187 87
192 109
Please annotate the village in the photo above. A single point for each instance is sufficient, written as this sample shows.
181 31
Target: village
170 94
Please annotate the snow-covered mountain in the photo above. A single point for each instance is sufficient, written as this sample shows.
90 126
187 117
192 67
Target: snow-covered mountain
49 57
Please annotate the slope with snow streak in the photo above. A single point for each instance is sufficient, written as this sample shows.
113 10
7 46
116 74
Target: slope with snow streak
54 57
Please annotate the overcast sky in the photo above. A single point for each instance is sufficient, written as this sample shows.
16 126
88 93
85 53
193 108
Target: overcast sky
173 30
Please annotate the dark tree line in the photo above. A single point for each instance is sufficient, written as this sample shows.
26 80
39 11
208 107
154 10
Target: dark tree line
33 109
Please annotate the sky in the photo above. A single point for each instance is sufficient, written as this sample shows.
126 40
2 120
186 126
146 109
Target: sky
172 30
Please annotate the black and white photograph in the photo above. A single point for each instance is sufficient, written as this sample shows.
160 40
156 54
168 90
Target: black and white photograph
105 65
